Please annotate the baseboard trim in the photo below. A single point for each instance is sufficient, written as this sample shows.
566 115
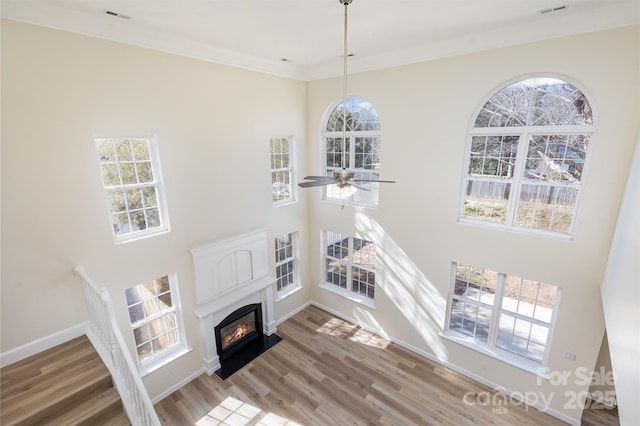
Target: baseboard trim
292 313
32 348
453 367
178 385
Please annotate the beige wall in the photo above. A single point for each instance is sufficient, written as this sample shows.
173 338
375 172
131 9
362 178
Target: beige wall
425 111
213 123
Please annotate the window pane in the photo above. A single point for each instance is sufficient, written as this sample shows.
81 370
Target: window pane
123 150
361 116
487 200
475 283
136 313
128 173
546 207
121 223
149 197
145 173
141 149
134 199
334 152
337 273
493 155
117 202
153 218
142 334
106 151
337 245
364 253
110 176
539 334
556 158
362 281
470 319
536 102
145 352
133 296
367 152
138 220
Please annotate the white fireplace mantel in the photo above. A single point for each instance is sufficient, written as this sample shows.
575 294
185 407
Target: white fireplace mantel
231 273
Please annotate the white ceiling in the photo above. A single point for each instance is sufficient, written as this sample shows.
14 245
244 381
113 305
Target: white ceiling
258 34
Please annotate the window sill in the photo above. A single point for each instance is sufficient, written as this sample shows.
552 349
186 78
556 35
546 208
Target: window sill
128 238
354 297
515 230
283 294
153 365
284 202
515 361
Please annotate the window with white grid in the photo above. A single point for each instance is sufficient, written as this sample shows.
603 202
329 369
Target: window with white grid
360 151
155 319
286 279
131 178
282 190
526 156
502 312
350 264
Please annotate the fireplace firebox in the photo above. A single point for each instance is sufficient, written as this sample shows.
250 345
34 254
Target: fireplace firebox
240 339
240 328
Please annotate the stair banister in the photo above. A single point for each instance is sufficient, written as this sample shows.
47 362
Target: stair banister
105 335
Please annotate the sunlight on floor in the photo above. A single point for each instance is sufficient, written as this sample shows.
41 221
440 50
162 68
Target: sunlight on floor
346 330
232 412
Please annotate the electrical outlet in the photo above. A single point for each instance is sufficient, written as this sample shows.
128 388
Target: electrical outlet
570 355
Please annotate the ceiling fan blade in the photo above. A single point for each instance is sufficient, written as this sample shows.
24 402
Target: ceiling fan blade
355 185
319 177
374 180
316 183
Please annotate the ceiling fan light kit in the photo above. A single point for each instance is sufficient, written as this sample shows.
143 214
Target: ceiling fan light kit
343 178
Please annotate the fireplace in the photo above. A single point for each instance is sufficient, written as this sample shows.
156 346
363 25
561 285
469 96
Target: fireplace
240 328
234 293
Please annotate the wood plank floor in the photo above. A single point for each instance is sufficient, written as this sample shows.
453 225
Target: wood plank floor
328 371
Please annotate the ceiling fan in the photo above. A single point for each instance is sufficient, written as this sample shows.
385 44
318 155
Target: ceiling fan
343 177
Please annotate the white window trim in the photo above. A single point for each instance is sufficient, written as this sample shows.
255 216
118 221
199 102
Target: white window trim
489 348
158 183
296 285
292 172
524 132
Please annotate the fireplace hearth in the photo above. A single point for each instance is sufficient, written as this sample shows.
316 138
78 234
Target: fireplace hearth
240 339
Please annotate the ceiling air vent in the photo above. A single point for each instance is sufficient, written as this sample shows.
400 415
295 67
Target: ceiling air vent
116 14
552 9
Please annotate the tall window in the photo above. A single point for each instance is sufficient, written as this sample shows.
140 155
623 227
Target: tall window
504 312
132 180
286 264
526 156
359 151
154 318
282 190
350 264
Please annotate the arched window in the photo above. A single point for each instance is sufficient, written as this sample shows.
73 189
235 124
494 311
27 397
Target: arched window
526 155
361 149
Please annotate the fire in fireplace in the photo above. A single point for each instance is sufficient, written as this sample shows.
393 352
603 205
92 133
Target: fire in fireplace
240 339
238 329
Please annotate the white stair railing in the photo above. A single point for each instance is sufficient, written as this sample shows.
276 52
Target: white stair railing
105 335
